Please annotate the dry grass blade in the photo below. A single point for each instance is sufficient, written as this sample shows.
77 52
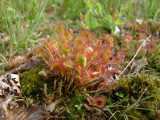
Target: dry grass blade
142 45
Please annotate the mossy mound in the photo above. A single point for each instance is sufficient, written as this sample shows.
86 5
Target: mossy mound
137 97
56 86
75 108
32 83
154 63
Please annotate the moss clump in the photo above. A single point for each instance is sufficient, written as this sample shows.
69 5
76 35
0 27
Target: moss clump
134 89
32 83
154 62
75 106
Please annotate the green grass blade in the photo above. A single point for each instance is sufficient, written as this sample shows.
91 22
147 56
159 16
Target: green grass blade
157 94
35 22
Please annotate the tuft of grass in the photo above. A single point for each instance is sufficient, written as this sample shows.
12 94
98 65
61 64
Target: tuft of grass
19 20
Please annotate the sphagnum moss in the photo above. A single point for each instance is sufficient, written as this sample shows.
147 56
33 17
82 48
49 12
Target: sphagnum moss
134 89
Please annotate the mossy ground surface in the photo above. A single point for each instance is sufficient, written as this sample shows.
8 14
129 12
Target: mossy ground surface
134 89
126 93
32 82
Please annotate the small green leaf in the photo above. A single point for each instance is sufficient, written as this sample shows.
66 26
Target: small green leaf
58 28
39 52
54 65
82 60
116 93
80 41
121 95
79 106
64 48
43 73
54 43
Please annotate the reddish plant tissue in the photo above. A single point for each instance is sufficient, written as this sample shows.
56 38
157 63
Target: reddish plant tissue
81 57
96 101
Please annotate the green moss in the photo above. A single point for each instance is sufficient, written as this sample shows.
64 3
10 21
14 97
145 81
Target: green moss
75 106
154 62
32 83
136 88
135 114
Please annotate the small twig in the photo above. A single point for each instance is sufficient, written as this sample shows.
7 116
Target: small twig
143 44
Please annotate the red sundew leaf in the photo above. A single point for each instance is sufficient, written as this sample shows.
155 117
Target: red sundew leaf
47 46
106 57
82 60
46 54
54 43
54 65
143 27
39 51
79 69
96 101
111 39
119 58
54 48
91 37
90 75
100 68
88 52
80 41
82 49
107 53
66 36
155 29
99 102
58 28
128 39
94 55
65 48
85 33
47 51
142 36
46 43
99 45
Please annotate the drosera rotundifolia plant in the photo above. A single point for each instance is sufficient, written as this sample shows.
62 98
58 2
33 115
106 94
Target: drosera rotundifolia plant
83 66
79 61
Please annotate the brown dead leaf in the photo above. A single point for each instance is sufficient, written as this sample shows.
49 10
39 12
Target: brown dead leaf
52 106
16 88
26 64
138 64
14 62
